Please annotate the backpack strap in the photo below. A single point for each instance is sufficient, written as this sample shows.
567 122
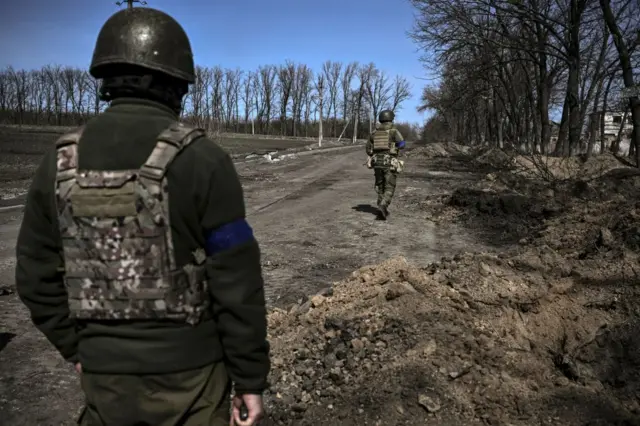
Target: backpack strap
67 155
170 142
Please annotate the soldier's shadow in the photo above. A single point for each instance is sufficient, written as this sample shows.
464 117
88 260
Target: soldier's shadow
366 208
5 338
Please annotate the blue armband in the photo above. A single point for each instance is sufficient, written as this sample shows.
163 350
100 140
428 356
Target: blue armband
400 144
228 236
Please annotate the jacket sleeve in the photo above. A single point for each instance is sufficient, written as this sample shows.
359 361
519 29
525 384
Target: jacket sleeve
235 280
40 267
399 140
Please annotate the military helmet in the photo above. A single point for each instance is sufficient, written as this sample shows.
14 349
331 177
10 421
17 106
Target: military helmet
386 116
143 37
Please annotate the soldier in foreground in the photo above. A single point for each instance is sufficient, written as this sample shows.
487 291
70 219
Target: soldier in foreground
382 148
134 256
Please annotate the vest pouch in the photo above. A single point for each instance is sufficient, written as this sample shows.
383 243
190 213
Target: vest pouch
103 202
396 165
188 298
382 161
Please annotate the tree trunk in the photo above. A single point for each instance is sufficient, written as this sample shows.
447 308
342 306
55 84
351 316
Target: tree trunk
615 145
593 130
627 74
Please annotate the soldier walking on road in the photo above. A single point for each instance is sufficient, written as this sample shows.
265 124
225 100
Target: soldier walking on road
382 148
135 257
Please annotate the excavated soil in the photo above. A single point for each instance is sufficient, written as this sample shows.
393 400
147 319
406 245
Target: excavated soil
540 330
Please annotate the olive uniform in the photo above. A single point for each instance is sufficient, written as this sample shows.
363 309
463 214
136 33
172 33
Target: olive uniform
382 148
134 256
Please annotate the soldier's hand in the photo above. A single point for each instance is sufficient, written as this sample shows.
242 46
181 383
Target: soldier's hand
78 368
254 406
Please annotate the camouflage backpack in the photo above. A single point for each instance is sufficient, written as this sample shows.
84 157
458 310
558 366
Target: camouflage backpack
116 237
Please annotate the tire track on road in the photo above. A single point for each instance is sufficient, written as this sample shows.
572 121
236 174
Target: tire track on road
321 179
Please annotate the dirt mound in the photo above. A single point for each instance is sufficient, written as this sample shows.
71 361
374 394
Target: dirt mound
508 206
505 204
494 157
477 339
543 333
565 168
504 215
546 167
439 150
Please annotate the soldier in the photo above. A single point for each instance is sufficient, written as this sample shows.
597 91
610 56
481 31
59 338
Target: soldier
134 256
382 148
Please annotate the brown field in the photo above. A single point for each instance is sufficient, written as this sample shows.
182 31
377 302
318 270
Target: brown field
33 140
21 148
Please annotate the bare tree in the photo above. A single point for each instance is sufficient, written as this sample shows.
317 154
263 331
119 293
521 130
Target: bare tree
231 87
199 97
365 73
267 75
247 97
625 49
378 92
331 71
219 100
301 97
286 77
345 83
320 86
506 65
401 92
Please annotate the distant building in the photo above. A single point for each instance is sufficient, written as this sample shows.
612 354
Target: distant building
612 124
613 127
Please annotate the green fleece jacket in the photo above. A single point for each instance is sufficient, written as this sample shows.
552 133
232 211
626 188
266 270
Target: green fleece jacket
205 194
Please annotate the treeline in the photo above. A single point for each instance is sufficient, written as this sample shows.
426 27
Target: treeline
285 100
504 65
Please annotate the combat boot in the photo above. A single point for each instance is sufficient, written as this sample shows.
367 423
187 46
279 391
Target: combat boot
382 208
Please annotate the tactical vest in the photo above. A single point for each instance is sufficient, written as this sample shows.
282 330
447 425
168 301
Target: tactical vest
381 140
118 251
383 143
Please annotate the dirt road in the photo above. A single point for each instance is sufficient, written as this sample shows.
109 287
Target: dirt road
315 223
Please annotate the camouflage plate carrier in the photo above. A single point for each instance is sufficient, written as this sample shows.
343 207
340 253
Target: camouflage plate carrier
117 242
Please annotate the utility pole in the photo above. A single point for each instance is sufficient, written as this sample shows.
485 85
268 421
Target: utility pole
130 3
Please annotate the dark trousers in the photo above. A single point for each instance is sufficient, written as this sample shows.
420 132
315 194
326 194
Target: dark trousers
196 397
385 185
